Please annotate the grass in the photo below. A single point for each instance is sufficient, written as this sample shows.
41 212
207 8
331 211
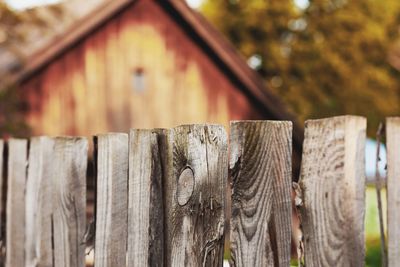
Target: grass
372 233
373 252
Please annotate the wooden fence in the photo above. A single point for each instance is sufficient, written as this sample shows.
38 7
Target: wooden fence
161 196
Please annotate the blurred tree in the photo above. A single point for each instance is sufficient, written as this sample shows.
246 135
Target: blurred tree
18 30
323 57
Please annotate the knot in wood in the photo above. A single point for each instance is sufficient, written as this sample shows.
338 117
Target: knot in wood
185 186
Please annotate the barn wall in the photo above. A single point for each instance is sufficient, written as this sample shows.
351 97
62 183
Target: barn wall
90 88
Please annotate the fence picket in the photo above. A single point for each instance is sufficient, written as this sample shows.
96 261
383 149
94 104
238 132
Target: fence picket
194 186
15 211
69 200
111 199
393 189
145 212
333 184
38 248
161 195
260 169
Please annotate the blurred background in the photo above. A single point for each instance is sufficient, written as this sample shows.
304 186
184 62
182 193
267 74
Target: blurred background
86 67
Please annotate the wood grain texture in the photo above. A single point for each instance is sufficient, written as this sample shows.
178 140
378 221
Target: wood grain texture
15 211
393 189
260 169
333 184
69 201
38 214
145 214
112 200
194 211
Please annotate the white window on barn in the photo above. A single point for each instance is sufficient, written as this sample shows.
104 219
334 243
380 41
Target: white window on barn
138 80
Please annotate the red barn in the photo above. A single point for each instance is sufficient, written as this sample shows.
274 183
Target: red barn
142 64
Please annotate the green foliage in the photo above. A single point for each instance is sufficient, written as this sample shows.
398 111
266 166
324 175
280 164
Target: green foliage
330 58
373 252
372 231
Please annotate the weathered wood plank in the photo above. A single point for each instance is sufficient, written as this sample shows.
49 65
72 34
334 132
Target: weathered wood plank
112 199
393 189
261 173
69 201
333 184
195 177
38 247
15 211
145 214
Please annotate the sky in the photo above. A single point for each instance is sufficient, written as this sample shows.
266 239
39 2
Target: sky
370 159
23 4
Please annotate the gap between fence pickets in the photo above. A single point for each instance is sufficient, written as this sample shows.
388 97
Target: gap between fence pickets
393 189
378 186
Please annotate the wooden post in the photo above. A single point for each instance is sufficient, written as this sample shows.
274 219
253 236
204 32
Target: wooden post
261 173
69 201
38 247
112 199
145 214
15 224
393 189
195 177
333 184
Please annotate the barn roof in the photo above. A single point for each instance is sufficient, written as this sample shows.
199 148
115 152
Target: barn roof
213 43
